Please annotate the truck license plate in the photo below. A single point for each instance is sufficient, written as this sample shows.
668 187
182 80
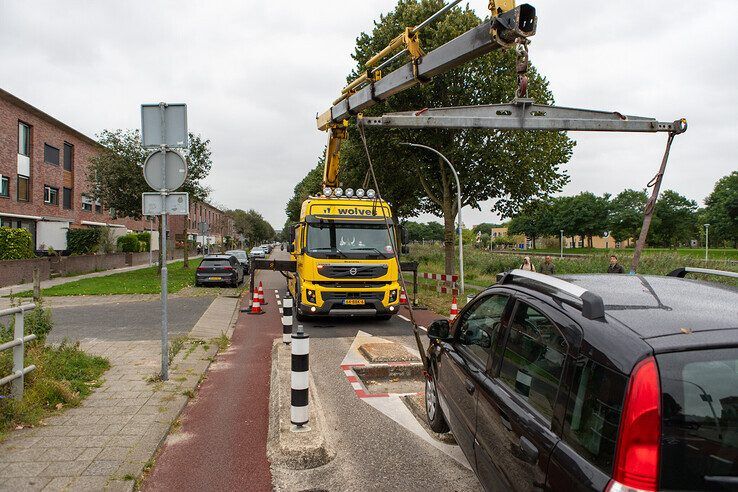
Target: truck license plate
216 278
354 301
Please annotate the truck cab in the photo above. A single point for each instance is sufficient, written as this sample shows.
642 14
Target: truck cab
345 256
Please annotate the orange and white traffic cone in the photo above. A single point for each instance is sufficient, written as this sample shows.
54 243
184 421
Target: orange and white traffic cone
261 295
256 306
454 309
403 297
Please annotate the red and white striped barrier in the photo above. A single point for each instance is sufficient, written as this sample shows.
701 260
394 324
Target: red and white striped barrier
443 277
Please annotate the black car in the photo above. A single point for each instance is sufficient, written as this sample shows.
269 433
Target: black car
218 269
592 382
242 257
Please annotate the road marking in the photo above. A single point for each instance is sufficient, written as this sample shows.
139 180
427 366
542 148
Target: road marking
402 317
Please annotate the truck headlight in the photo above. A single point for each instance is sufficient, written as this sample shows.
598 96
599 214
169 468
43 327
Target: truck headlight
393 295
310 295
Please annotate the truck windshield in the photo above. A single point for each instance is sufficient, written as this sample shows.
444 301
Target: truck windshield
349 240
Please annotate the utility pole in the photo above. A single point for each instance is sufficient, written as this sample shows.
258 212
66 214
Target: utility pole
561 243
458 206
707 239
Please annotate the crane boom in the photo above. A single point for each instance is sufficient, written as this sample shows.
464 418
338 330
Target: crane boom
507 26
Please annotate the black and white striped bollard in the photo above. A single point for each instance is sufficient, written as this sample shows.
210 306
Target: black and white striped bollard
287 319
299 409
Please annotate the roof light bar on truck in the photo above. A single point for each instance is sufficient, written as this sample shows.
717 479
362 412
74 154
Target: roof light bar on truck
592 305
682 272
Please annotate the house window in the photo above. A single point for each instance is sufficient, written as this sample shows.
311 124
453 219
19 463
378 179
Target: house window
67 198
51 155
4 186
68 156
22 189
24 139
98 207
87 203
51 195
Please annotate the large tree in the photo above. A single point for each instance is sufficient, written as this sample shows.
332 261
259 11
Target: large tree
116 173
677 219
626 214
252 226
509 167
721 211
528 222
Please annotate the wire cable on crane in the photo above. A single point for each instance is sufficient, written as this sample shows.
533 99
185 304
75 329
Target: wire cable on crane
393 242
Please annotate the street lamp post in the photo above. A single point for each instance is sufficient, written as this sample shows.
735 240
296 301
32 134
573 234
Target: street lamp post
561 243
707 239
458 206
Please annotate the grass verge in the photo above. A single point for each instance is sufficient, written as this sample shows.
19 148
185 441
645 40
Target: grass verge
64 374
142 281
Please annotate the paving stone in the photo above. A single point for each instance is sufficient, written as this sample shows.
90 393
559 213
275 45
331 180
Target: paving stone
124 441
119 486
55 430
92 441
24 484
102 467
133 430
88 483
23 454
65 468
56 442
62 454
58 484
24 469
87 430
89 454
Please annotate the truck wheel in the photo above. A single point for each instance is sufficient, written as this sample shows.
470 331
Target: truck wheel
299 316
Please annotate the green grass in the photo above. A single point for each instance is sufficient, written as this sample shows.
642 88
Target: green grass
142 281
481 268
64 376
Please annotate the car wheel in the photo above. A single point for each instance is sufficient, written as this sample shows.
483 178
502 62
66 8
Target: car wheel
436 421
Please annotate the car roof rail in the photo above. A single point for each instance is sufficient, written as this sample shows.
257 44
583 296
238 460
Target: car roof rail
683 271
593 307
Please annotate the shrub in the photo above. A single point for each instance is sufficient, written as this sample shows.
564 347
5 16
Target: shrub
15 244
144 237
84 241
129 243
106 244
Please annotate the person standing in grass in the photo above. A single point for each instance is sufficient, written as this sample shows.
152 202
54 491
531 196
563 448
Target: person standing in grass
527 265
614 266
547 267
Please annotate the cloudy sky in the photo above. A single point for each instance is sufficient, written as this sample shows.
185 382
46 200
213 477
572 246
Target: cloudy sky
254 74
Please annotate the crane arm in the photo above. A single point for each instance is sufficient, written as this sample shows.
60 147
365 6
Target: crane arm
507 26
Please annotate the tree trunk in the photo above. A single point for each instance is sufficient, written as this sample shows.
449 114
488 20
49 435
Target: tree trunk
186 251
448 238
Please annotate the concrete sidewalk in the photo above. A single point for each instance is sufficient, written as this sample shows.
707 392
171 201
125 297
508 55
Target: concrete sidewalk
107 442
4 291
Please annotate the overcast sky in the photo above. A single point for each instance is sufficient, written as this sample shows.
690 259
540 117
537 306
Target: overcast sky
254 74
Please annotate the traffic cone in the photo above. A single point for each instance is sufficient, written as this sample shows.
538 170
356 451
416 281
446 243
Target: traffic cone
454 309
403 297
261 295
256 306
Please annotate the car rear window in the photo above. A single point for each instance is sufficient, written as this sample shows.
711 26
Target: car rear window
215 263
593 413
699 445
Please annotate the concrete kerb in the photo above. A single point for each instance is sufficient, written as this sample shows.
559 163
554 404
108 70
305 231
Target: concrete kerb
294 450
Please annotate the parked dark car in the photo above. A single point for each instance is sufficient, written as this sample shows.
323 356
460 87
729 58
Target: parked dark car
592 382
242 257
218 269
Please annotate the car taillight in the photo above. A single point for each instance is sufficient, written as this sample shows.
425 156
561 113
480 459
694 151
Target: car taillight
228 268
639 437
200 269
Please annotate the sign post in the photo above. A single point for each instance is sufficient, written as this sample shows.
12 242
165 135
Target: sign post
164 175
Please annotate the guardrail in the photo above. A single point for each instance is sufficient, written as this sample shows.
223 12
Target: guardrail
18 345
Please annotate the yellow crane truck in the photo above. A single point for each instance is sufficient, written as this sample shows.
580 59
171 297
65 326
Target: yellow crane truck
345 256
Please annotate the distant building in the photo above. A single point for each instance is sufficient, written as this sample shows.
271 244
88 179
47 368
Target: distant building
598 242
205 223
43 176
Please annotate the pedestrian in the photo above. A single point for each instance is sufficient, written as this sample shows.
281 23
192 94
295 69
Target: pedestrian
547 267
527 265
614 266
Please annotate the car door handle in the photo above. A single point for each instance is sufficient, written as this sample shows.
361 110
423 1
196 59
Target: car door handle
529 450
469 386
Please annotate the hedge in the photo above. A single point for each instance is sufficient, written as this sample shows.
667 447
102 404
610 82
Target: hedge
129 243
144 237
83 241
15 244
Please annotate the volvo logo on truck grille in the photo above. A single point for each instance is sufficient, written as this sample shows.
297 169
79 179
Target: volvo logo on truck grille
353 271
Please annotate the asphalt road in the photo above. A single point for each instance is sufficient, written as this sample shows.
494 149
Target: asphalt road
125 320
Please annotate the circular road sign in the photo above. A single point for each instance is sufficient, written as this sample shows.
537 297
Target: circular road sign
176 170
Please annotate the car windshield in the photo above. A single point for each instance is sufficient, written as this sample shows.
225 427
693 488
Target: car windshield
355 239
257 250
238 254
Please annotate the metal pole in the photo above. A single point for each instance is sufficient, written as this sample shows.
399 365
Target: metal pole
707 239
458 204
18 352
151 246
164 272
561 241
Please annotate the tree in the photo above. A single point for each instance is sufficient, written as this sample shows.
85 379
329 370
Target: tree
528 222
626 214
252 226
508 166
677 219
721 210
484 227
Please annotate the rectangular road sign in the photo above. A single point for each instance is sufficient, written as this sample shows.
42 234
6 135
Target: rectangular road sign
175 125
176 203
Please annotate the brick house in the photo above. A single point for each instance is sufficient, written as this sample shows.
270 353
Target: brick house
218 224
43 176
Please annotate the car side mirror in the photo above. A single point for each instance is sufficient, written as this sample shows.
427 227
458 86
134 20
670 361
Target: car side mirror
405 249
292 233
439 330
